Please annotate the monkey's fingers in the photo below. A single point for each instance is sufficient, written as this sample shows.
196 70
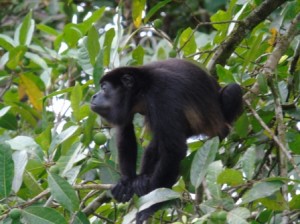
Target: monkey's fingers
122 192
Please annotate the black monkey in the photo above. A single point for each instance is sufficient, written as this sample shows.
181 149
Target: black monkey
178 100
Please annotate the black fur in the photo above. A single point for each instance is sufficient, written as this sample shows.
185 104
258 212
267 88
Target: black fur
178 99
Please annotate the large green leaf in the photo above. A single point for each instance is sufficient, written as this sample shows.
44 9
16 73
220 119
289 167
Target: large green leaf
231 177
6 170
63 192
76 97
188 42
213 171
238 216
24 32
42 215
261 190
93 45
109 36
204 156
248 162
20 159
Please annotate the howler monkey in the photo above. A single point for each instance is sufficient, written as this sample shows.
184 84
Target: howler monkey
178 100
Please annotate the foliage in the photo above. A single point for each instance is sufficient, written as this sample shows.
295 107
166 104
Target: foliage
52 170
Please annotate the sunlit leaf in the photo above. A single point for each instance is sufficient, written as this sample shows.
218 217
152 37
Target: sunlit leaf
34 93
188 42
138 7
231 177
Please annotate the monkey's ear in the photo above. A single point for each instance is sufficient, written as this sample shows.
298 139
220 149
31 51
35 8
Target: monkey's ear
127 80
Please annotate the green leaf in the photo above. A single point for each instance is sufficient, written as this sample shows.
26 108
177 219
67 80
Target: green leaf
72 34
6 42
63 192
156 196
238 216
43 215
261 190
76 97
138 7
248 162
220 16
231 177
213 171
262 83
187 42
26 30
9 121
204 156
6 170
60 138
138 55
225 75
274 202
20 159
109 36
155 8
98 69
37 59
84 58
15 56
87 24
47 29
295 202
80 218
93 45
241 126
23 143
32 183
4 110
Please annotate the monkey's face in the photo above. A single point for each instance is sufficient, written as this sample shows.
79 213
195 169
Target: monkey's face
106 102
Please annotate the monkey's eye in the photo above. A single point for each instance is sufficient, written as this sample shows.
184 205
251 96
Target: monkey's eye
103 87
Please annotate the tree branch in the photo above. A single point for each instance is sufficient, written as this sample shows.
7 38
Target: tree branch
241 30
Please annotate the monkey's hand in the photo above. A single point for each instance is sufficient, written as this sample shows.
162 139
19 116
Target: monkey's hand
141 185
123 190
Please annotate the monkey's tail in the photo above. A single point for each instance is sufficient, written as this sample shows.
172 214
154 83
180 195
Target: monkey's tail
231 98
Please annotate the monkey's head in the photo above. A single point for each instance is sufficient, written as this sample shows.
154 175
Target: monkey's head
114 101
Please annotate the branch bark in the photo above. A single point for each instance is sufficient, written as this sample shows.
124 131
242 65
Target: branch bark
241 30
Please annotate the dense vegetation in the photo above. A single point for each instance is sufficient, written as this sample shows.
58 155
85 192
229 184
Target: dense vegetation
58 159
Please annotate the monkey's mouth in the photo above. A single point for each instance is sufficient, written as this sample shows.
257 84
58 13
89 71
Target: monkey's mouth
102 111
